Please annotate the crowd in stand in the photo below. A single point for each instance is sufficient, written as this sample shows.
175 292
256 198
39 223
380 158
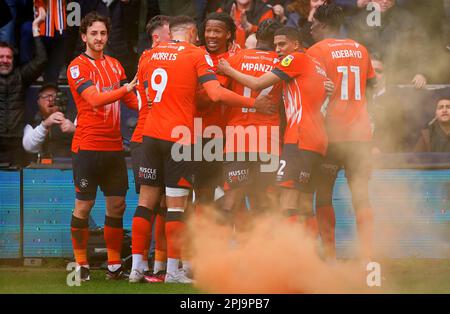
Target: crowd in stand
409 47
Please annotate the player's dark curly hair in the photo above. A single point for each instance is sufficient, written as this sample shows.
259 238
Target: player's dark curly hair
92 17
223 17
290 32
266 30
331 15
154 23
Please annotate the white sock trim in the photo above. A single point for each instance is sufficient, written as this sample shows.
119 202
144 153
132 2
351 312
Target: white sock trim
137 262
159 266
172 265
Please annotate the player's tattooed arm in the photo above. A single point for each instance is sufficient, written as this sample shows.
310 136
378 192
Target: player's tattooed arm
254 83
219 94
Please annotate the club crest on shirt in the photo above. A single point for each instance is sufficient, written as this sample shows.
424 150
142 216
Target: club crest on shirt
74 71
287 60
209 60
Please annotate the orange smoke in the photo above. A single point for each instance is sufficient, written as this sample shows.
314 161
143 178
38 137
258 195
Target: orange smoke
271 256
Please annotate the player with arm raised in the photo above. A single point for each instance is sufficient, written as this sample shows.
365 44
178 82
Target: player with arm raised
348 65
305 139
176 68
158 31
244 173
98 83
219 35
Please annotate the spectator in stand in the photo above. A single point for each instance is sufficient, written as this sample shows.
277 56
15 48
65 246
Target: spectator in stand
279 8
13 83
385 113
300 15
7 32
436 137
16 29
247 14
178 7
5 14
399 39
53 32
351 7
50 135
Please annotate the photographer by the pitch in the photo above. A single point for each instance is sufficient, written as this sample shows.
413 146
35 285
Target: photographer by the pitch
51 133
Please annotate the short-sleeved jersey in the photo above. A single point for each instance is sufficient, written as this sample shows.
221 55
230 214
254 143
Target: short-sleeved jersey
211 113
348 65
255 63
303 96
174 71
143 102
98 128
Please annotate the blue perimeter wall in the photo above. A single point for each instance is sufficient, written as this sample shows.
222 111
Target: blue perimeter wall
411 206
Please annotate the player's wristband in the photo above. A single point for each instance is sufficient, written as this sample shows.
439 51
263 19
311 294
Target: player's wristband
251 103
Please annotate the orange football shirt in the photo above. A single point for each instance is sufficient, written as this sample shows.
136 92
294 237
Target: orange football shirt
174 71
303 96
96 128
348 65
143 104
253 62
211 113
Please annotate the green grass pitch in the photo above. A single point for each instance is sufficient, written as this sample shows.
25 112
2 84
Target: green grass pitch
398 276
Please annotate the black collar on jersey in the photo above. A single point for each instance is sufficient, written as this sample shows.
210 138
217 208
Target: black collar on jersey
85 54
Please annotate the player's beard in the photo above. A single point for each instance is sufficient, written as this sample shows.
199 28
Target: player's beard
97 47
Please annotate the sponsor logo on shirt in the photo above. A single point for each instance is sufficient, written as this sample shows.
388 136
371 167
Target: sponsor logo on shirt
287 60
209 60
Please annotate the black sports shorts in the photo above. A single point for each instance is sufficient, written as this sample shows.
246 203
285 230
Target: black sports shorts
99 168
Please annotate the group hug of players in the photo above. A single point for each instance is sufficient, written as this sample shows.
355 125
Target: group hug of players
318 96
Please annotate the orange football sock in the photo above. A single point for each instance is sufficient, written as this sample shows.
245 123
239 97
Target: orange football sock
80 236
326 222
292 215
141 230
174 236
145 256
113 233
312 227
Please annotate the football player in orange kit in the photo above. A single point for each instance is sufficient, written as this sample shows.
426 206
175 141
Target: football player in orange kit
174 70
157 30
247 165
305 139
219 34
348 65
98 83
